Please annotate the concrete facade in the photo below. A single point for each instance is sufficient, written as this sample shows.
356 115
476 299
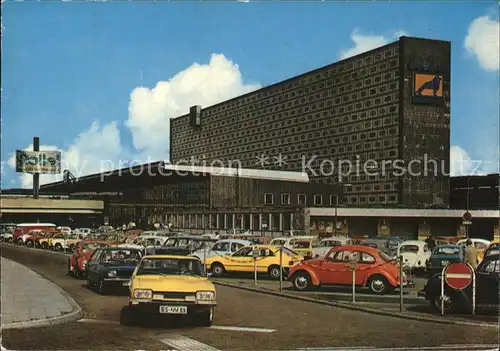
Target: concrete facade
359 109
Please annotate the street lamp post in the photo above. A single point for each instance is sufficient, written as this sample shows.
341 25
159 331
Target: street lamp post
467 206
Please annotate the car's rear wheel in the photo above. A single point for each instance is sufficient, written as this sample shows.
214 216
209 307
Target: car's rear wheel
302 281
9 240
29 243
58 247
217 269
274 272
448 303
378 284
206 319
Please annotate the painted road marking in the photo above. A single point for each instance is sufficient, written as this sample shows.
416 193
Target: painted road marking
182 343
247 329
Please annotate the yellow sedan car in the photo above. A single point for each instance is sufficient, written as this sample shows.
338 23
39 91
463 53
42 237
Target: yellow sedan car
164 285
267 258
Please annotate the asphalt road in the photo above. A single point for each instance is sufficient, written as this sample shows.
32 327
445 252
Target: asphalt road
291 324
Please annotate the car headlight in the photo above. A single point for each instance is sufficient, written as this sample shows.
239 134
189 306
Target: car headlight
143 294
205 295
112 274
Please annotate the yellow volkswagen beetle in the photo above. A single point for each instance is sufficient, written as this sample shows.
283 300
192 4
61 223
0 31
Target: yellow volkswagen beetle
267 258
172 286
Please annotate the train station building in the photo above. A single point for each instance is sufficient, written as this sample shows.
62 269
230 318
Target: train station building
294 155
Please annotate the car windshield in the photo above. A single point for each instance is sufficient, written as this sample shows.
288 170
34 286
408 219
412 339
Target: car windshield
301 244
409 248
289 252
446 250
385 257
93 246
121 255
171 266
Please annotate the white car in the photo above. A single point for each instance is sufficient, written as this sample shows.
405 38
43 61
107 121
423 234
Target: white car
327 243
221 247
415 253
480 244
289 241
7 237
143 241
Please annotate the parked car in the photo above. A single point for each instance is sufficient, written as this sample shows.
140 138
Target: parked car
221 248
387 245
415 254
375 270
492 249
487 288
170 285
185 245
443 255
302 244
267 258
77 262
327 243
111 267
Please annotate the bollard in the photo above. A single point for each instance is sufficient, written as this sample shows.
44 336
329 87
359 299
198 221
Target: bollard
354 285
205 257
281 268
255 271
401 283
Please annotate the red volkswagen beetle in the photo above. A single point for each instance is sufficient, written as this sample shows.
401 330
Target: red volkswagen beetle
77 263
375 270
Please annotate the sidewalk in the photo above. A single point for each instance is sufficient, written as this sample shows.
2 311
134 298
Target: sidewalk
30 300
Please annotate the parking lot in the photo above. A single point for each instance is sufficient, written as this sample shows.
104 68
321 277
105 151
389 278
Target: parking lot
281 323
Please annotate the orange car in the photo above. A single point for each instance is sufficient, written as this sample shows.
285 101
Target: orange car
374 270
77 262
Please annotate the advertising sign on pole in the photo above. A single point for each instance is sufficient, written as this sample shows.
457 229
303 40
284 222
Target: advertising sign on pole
44 162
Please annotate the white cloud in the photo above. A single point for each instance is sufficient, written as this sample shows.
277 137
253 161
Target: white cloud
363 43
462 164
94 150
200 84
99 149
483 42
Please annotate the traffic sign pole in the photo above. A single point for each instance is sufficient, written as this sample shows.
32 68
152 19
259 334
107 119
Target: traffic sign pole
442 291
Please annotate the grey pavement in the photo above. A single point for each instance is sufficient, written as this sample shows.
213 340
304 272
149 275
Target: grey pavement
28 298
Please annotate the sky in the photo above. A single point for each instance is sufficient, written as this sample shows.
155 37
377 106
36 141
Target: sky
99 81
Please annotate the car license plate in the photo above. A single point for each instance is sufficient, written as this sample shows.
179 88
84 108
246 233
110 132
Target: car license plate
444 263
173 309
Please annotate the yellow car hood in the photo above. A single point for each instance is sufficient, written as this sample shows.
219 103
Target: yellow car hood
172 283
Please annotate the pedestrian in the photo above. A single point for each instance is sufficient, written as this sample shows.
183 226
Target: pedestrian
470 254
431 243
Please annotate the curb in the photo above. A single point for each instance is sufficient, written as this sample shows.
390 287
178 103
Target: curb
75 314
361 308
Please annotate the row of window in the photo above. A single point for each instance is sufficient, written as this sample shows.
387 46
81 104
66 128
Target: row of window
334 200
356 64
339 105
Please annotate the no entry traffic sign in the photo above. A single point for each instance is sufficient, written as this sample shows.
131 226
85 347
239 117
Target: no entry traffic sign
458 275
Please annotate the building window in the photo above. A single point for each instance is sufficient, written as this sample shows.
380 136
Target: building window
318 200
268 199
333 200
301 199
285 199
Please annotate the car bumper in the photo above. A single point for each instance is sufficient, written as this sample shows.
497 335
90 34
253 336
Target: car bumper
117 282
409 284
153 307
